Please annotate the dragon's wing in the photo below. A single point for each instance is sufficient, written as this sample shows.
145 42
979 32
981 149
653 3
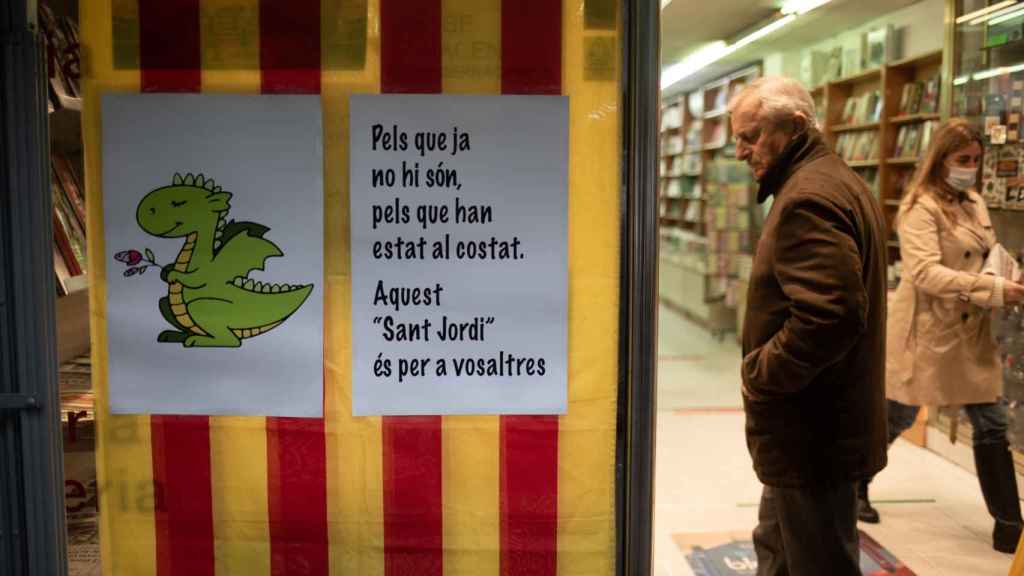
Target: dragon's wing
244 249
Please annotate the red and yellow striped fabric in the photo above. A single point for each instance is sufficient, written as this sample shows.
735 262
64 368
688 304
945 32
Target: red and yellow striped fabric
511 495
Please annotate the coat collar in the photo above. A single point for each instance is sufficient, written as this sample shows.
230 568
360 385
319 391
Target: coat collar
804 149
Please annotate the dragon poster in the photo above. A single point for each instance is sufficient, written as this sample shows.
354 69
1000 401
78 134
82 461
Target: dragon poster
213 238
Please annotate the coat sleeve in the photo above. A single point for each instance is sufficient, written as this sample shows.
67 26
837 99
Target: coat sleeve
921 252
819 269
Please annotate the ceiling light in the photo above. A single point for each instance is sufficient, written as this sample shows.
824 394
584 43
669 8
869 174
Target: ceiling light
801 6
1007 16
694 62
960 80
995 14
976 13
716 51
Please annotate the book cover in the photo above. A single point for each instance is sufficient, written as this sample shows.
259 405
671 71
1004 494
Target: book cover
901 140
60 168
932 91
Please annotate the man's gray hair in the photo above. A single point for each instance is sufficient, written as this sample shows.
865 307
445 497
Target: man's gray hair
781 98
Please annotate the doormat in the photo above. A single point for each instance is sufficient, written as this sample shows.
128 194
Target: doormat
732 554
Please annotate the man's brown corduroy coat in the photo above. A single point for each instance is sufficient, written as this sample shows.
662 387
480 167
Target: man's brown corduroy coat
814 333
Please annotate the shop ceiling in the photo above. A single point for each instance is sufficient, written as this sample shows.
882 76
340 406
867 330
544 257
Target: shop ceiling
688 24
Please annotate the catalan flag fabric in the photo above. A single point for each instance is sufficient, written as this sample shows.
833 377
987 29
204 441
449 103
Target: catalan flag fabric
490 495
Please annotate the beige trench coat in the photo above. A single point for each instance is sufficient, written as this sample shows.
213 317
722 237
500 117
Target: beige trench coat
940 351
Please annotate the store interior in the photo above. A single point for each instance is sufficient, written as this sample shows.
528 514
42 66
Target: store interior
883 75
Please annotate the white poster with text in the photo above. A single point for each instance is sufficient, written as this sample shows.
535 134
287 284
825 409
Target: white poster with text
459 230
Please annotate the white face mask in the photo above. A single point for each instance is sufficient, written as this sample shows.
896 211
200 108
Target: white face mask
961 179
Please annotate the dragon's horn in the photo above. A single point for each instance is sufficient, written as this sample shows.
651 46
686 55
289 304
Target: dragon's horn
209 185
190 180
200 181
177 180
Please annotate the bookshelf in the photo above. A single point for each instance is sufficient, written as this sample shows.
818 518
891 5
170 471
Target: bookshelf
880 121
706 204
57 21
912 104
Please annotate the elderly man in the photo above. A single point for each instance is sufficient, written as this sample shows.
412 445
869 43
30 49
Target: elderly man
814 336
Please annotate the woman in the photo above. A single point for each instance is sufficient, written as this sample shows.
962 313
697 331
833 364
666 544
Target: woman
940 352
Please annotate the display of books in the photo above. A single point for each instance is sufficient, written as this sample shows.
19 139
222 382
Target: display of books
719 135
691 163
910 99
930 97
63 60
672 145
859 146
863 109
69 222
672 118
693 135
870 177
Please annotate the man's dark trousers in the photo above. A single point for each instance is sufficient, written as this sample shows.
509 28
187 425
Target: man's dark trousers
808 532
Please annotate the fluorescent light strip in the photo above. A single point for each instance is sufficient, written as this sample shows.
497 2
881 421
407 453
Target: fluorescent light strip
993 72
982 12
761 33
1008 16
996 14
801 6
716 51
960 80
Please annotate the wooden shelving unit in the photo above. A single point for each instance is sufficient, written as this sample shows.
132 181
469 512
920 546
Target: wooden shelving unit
890 169
855 127
687 208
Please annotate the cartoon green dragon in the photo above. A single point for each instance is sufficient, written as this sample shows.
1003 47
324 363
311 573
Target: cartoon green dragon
210 298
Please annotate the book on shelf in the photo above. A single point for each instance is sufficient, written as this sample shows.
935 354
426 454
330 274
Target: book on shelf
672 117
910 99
69 222
913 139
692 213
693 135
719 135
721 99
930 98
865 143
927 129
60 37
921 97
858 146
691 163
672 145
863 109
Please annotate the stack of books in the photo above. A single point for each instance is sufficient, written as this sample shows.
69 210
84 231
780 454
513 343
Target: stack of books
62 60
920 97
863 109
913 139
858 146
69 222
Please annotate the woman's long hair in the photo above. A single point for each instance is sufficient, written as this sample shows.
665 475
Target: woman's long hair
929 178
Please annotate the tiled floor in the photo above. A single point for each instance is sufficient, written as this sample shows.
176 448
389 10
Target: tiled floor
933 516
